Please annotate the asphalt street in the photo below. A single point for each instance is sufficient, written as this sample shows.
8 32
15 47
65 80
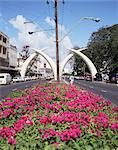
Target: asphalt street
106 90
5 90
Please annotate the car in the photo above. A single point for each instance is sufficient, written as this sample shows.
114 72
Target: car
98 77
113 78
117 78
5 78
48 78
88 77
18 79
27 78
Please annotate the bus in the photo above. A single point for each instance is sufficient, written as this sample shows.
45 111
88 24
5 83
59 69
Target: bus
5 78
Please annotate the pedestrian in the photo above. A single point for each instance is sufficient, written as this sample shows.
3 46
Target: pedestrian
71 80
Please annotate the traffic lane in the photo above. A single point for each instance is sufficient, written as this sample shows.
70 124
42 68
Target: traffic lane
101 90
104 85
7 89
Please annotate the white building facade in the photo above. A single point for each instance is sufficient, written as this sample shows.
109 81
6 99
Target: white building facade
4 50
8 55
12 56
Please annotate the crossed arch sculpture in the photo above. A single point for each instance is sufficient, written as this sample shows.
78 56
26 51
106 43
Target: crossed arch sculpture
89 63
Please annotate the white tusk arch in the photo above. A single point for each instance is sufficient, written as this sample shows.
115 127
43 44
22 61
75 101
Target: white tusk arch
26 63
89 63
49 60
64 62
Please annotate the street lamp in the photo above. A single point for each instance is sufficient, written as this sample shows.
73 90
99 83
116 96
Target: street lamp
39 31
81 19
26 22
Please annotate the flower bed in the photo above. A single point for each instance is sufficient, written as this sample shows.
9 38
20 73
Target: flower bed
58 116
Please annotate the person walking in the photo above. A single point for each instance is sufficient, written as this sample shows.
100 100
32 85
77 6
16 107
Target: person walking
71 80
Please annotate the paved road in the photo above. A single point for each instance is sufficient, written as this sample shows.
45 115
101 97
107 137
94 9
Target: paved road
6 89
108 91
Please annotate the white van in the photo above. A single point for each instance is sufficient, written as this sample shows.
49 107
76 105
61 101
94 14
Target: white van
5 78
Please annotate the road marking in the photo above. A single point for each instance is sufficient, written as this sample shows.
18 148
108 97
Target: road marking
14 89
103 91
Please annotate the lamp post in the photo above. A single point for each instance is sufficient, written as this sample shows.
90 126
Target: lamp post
39 31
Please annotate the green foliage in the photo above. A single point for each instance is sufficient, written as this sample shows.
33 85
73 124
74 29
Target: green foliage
103 48
16 94
30 138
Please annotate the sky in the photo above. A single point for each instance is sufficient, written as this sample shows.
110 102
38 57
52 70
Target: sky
13 14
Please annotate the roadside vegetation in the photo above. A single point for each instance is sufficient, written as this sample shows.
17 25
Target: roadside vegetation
102 49
57 117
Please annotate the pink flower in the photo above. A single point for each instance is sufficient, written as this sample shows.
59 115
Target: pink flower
99 133
8 98
101 120
11 141
29 122
44 120
18 126
7 132
115 109
7 112
114 126
45 136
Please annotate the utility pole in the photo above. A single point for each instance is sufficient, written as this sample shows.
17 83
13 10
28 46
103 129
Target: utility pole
57 44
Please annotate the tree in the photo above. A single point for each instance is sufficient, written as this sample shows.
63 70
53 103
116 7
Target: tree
25 52
103 48
79 66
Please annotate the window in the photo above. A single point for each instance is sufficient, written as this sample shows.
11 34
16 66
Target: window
1 76
4 40
0 48
0 37
4 50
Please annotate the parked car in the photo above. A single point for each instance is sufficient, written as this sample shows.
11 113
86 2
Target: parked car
88 77
98 77
5 78
117 78
48 78
27 78
18 79
113 78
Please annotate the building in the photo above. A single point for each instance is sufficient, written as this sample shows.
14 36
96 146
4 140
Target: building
12 56
46 71
8 55
4 50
